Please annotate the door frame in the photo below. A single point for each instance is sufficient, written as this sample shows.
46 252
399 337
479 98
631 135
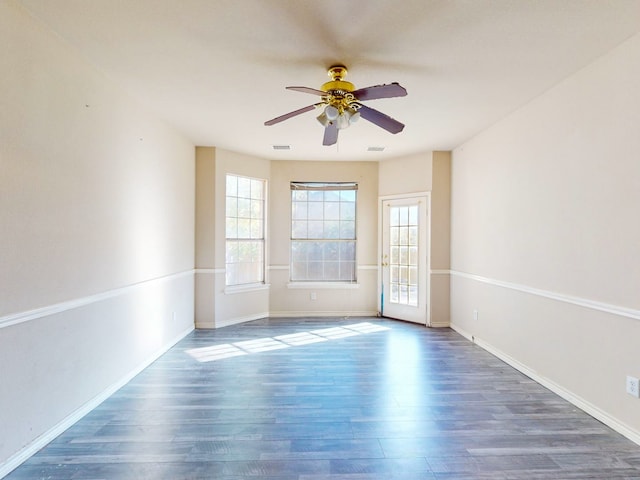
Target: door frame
401 196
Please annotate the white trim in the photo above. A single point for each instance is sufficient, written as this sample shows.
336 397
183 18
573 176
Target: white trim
328 313
209 270
579 402
233 321
581 302
20 317
440 272
251 287
25 453
323 285
400 196
287 267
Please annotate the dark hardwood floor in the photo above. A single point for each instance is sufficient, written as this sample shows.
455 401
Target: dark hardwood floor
329 399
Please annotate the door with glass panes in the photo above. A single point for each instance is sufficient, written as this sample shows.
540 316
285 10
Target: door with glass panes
404 259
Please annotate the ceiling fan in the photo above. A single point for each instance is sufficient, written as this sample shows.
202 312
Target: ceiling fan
341 103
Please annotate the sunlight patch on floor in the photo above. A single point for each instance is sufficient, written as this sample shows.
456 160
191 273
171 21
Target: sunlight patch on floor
245 347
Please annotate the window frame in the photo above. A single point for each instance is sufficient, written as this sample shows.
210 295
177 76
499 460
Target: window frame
261 239
343 241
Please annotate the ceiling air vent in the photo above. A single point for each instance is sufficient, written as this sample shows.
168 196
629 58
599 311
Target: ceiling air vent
282 147
375 149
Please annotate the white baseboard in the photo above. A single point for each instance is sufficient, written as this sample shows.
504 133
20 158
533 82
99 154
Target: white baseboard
235 320
569 396
290 314
25 453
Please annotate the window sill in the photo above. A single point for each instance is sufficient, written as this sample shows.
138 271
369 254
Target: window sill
253 287
325 285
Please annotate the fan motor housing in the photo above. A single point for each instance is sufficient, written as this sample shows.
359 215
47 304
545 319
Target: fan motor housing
337 73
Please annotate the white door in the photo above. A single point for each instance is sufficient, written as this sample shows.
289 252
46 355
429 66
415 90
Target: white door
404 259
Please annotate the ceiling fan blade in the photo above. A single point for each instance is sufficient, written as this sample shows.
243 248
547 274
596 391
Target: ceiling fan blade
380 91
330 135
287 116
310 90
380 119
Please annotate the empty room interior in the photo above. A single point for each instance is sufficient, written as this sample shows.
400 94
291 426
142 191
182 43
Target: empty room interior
205 274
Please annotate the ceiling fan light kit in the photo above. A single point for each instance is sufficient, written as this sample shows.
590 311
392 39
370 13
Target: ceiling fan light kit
342 107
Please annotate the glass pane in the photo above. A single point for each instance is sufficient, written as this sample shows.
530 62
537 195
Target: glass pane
404 215
413 215
299 210
298 251
316 210
316 195
332 196
299 229
315 251
232 274
244 208
256 229
348 251
232 185
332 251
394 293
299 195
404 255
232 207
244 228
332 229
404 236
331 211
348 195
315 271
348 271
244 187
394 235
331 270
395 273
395 255
347 229
394 216
404 275
404 295
413 235
232 228
257 189
232 252
315 229
256 209
413 296
413 255
347 211
413 276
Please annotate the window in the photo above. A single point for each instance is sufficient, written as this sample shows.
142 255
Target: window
323 232
245 214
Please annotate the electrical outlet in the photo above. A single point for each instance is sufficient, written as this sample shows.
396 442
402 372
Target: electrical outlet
633 386
475 314
313 296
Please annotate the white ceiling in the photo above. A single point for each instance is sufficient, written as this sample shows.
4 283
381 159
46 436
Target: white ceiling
216 69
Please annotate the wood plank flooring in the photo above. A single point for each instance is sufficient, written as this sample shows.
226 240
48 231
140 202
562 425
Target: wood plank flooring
333 399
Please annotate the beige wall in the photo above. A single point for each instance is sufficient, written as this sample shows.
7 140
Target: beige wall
97 244
216 305
428 172
329 301
545 237
205 237
440 250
